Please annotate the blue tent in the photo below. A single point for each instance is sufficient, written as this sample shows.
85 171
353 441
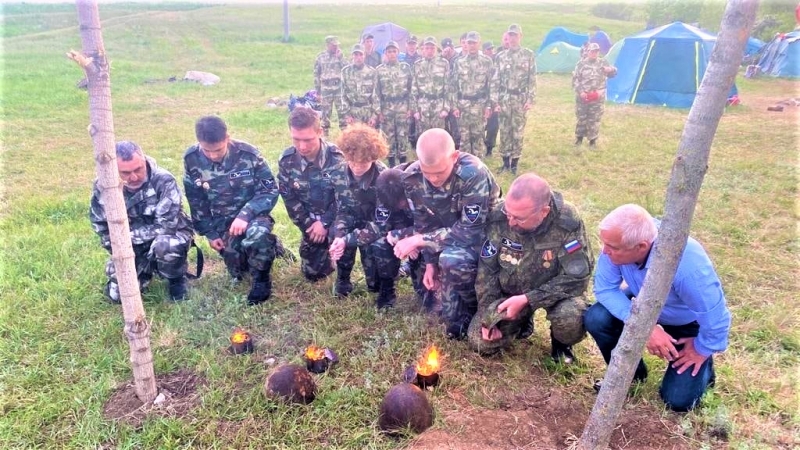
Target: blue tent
662 66
781 57
564 35
384 32
753 46
602 39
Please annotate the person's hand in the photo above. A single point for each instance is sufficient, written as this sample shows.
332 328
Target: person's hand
497 109
238 227
414 254
443 113
456 113
416 115
431 277
217 244
527 106
371 122
349 120
608 70
392 239
491 335
688 357
513 305
583 96
336 249
317 232
487 112
405 246
661 344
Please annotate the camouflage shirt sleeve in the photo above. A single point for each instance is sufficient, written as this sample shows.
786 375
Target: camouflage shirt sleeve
532 79
487 284
294 206
168 209
97 217
199 204
344 221
266 192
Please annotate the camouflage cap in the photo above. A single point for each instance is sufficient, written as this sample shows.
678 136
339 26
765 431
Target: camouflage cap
514 28
392 44
332 40
487 45
368 36
594 46
412 38
473 36
447 42
358 48
429 40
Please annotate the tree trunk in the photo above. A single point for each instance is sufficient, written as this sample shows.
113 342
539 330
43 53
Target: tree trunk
95 64
688 171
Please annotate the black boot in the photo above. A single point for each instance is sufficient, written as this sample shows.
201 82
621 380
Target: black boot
387 294
402 159
526 330
391 161
177 289
489 151
561 351
514 162
593 142
506 166
578 141
262 287
457 330
343 285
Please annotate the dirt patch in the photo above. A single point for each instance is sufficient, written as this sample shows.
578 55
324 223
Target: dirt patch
180 390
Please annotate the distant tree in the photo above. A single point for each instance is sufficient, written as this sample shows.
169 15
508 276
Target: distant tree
688 171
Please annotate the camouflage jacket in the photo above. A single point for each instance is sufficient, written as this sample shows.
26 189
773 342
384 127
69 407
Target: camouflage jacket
154 209
431 82
514 76
472 79
455 213
328 72
360 220
306 187
589 75
358 88
409 59
394 86
548 264
373 59
241 186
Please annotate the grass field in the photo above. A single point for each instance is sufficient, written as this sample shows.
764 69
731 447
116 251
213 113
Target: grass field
62 351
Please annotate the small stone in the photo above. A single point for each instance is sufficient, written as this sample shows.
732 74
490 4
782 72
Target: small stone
161 398
270 361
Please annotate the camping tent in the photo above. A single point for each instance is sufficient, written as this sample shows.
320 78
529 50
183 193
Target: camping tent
602 39
564 35
781 57
385 32
753 46
662 66
612 54
558 57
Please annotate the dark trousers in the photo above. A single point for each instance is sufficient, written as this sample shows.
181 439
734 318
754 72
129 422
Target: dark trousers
681 392
492 127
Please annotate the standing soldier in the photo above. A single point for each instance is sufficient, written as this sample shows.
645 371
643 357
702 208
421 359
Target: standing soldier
513 96
371 56
411 56
328 82
231 192
358 90
493 124
589 83
535 255
472 76
307 191
451 122
394 100
161 232
430 91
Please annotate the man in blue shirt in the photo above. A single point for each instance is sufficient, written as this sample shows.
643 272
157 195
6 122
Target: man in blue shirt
692 326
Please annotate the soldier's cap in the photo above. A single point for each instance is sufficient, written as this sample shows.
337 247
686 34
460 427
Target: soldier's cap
332 40
429 40
594 46
358 48
392 44
514 28
412 38
487 45
447 42
368 36
473 36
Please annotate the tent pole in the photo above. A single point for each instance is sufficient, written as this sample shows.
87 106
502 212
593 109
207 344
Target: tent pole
641 74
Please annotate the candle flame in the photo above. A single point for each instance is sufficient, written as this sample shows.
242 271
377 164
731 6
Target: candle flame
314 353
429 364
240 337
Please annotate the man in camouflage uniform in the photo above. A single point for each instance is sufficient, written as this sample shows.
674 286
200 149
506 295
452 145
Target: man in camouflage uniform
451 121
231 192
307 191
493 123
394 100
451 194
358 90
328 82
536 255
430 89
371 56
589 84
161 233
514 94
472 76
411 56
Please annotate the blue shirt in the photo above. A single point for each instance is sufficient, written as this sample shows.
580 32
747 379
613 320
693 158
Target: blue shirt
695 295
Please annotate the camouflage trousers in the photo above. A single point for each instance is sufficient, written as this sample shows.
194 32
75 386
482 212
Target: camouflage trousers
458 268
492 128
368 262
566 325
513 118
315 262
165 255
359 114
254 250
472 125
453 127
328 99
429 115
412 132
394 125
588 115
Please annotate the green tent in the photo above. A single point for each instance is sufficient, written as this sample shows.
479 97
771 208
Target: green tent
558 57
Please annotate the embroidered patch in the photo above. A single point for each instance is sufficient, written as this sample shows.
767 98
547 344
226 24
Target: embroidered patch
572 247
382 214
239 174
268 184
472 212
488 250
326 175
511 244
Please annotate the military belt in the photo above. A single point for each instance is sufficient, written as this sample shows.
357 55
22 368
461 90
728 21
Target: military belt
398 98
472 98
331 82
359 104
517 91
433 96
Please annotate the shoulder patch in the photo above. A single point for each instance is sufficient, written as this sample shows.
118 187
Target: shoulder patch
488 249
472 212
268 184
382 214
573 246
240 174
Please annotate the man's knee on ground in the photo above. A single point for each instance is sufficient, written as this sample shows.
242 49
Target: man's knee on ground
680 401
596 318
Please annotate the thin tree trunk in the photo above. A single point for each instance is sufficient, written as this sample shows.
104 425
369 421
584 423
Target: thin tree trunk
688 171
94 62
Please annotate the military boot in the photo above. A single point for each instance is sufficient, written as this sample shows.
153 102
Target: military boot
177 289
514 162
561 351
593 142
262 287
489 151
457 329
343 285
506 165
526 329
578 141
111 292
387 294
391 161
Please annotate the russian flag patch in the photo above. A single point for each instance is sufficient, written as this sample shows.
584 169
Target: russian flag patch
573 246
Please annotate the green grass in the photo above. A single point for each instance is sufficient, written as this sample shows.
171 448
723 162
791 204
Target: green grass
62 351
